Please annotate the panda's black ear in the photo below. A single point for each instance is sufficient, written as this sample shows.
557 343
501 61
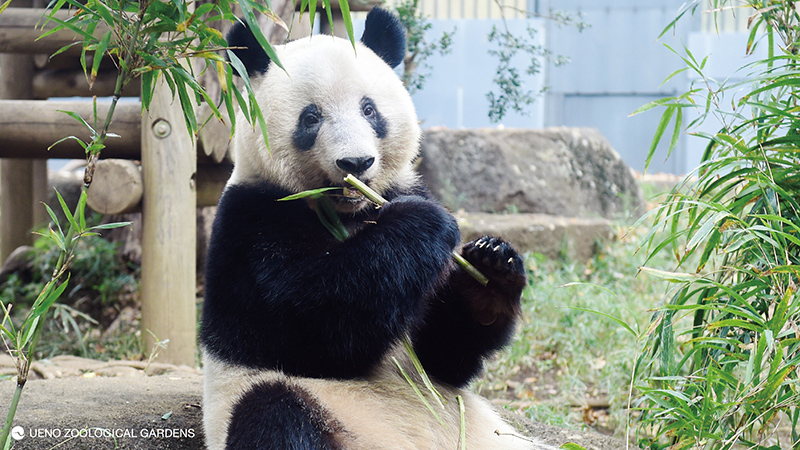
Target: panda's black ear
385 35
254 58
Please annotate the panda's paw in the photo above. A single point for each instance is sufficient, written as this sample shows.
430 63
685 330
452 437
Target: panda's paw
496 259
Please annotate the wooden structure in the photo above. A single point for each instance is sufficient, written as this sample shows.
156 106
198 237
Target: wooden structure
175 175
159 138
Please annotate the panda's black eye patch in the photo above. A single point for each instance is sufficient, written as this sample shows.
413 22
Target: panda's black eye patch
308 124
370 112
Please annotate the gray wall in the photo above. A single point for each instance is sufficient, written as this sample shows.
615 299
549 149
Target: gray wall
455 91
616 66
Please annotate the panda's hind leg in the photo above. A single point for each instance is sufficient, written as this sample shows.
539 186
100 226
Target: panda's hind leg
276 416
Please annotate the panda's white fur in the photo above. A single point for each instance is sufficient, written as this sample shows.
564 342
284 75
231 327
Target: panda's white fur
330 72
381 410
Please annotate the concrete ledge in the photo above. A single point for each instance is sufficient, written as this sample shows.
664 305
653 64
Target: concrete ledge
161 412
552 236
137 413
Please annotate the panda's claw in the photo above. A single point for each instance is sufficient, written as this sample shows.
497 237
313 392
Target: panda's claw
495 258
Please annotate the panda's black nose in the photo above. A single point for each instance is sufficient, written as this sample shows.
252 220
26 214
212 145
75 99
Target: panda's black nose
355 166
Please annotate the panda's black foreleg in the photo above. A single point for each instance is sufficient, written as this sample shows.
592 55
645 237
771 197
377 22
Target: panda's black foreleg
274 416
467 322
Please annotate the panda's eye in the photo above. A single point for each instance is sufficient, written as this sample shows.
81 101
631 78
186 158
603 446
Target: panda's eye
373 117
368 110
310 120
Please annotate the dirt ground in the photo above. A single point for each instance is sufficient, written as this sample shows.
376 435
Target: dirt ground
84 404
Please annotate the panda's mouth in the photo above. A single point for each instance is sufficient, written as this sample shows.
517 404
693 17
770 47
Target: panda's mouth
347 199
352 195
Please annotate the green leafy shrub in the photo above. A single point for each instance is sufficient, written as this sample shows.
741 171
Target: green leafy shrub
719 368
98 275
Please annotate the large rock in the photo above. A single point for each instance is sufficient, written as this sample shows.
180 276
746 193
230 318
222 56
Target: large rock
570 172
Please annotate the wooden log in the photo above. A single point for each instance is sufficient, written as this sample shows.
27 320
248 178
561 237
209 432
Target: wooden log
72 83
20 28
169 228
116 187
28 127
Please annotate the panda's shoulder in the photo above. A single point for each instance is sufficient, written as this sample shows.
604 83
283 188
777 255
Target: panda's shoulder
416 188
249 208
248 193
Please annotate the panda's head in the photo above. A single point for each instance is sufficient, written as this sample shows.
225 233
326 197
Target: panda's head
335 110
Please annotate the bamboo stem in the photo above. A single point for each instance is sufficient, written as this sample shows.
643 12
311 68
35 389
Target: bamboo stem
375 197
12 411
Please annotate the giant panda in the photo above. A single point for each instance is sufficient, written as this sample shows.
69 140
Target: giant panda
301 333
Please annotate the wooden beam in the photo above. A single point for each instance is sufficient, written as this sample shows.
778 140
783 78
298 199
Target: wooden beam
21 27
28 127
72 83
169 229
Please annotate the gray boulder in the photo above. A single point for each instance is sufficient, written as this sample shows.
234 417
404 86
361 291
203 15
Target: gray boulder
569 172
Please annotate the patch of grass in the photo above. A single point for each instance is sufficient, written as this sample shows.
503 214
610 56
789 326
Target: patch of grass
569 366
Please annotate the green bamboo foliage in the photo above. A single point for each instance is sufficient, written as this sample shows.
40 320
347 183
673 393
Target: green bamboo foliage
719 368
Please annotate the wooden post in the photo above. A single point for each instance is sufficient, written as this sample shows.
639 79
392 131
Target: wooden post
40 192
169 162
16 175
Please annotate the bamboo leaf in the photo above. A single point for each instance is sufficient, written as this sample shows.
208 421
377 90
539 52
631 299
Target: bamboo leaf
102 46
706 228
674 277
73 224
80 211
571 446
110 226
662 126
313 193
616 320
252 23
418 392
87 35
80 119
50 299
412 355
312 12
348 21
68 138
326 6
